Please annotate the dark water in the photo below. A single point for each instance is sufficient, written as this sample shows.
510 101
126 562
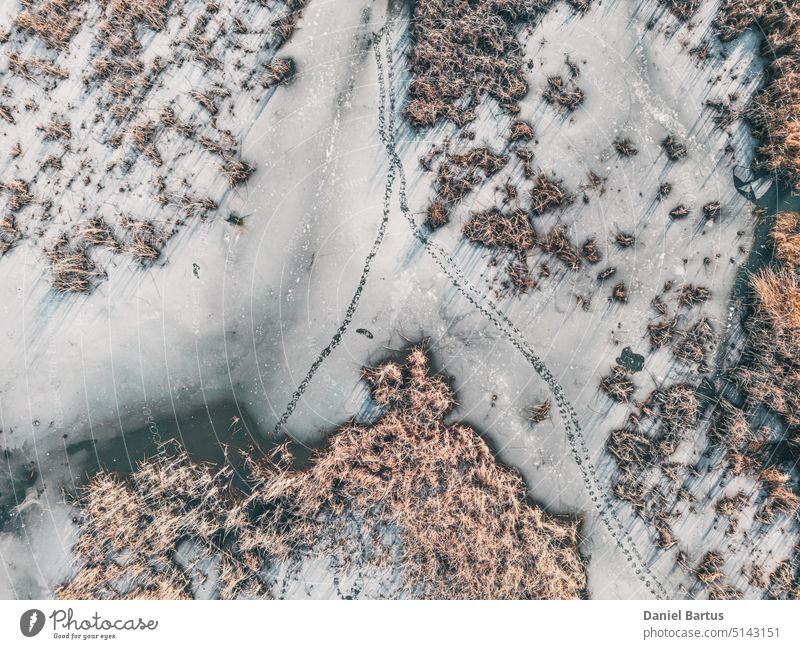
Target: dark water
630 360
217 434
777 199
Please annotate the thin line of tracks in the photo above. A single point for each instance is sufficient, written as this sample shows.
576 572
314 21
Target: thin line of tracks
487 308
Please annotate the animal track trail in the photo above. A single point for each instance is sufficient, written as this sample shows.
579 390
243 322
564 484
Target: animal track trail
498 318
487 308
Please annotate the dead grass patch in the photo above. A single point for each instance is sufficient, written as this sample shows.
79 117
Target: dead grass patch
463 52
773 111
496 229
71 268
786 235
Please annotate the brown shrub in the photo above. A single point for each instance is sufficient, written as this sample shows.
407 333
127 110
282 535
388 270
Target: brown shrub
786 235
462 521
71 268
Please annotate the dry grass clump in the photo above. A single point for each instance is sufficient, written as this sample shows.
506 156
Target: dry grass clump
558 244
521 131
619 293
25 67
464 51
496 229
677 406
565 94
784 582
519 280
661 332
618 385
539 412
724 114
9 234
690 295
52 21
581 6
546 194
731 431
280 70
709 570
437 215
624 239
456 177
712 211
773 112
481 158
284 26
19 194
462 522
144 240
453 182
732 505
96 232
679 212
771 373
674 148
779 495
696 341
71 268
206 100
604 274
58 128
512 231
786 235
235 170
142 136
625 147
169 119
682 9
189 204
590 252
634 451
153 13
6 113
